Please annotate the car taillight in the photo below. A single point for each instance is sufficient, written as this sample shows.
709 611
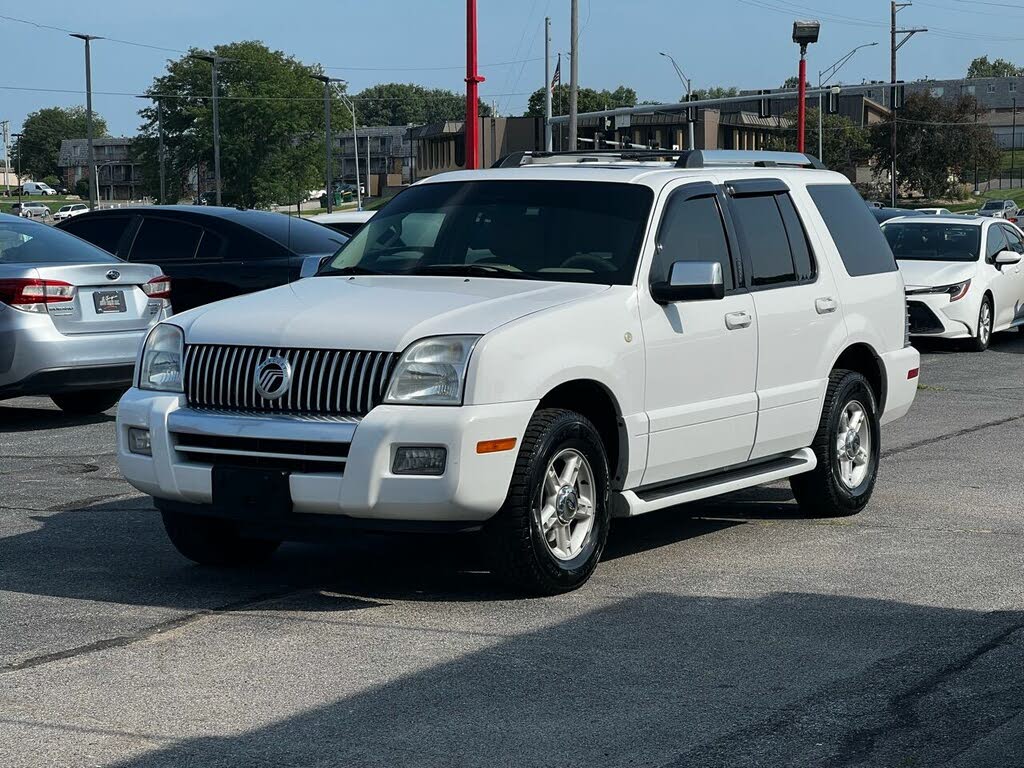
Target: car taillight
32 295
158 287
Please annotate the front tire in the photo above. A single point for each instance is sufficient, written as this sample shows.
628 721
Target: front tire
87 402
549 535
847 448
213 541
984 333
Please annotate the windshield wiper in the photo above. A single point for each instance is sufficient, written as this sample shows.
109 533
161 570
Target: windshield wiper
354 270
486 270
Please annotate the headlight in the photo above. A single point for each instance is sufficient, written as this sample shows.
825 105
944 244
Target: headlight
432 371
956 291
161 367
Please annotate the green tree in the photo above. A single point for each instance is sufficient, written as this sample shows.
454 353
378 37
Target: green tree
587 100
410 104
938 145
982 67
716 92
791 82
271 125
844 143
42 133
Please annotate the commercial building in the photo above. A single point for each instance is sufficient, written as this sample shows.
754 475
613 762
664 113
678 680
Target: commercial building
441 147
386 148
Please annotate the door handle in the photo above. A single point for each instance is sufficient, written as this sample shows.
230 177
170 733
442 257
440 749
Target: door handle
735 320
825 305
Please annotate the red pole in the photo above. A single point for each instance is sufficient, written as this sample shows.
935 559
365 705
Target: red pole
472 98
801 108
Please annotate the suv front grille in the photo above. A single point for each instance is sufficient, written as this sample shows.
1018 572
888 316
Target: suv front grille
304 456
323 381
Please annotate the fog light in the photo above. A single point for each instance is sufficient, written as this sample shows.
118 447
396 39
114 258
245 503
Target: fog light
417 460
138 441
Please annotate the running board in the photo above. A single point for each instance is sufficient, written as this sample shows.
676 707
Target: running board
639 500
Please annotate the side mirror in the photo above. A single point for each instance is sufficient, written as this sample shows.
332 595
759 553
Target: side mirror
311 265
1007 257
690 281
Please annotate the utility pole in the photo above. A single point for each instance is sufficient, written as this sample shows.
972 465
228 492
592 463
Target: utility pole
689 95
161 153
547 83
473 80
328 135
894 8
214 60
574 71
94 185
5 133
1013 140
18 137
355 148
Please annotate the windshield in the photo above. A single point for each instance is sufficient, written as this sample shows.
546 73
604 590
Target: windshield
24 242
993 205
571 231
933 241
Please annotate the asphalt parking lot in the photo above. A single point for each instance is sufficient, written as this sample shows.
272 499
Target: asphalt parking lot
733 633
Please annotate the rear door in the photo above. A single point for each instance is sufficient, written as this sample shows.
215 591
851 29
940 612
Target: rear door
798 314
172 244
1015 272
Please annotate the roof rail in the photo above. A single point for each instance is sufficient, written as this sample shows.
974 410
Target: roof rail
708 158
683 158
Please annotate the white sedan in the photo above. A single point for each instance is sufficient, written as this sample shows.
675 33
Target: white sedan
963 275
70 211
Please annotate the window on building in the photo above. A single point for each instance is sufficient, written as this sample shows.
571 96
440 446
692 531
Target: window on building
1013 86
992 88
970 90
938 91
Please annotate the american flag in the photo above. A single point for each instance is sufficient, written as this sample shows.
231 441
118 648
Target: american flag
558 75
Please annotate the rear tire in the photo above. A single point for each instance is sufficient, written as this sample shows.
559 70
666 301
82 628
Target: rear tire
983 337
213 541
549 535
847 448
87 402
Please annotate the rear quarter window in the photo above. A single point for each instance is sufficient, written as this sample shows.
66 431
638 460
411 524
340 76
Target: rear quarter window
862 247
102 231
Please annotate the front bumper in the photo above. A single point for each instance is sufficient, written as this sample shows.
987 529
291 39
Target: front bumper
36 358
934 315
472 488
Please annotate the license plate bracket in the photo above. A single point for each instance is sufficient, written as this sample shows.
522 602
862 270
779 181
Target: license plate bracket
251 493
107 302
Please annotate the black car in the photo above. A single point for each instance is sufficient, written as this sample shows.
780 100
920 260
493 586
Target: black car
884 214
210 253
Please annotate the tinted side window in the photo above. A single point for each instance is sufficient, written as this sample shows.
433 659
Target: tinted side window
1013 238
803 261
211 247
995 242
161 240
691 230
759 223
103 231
854 230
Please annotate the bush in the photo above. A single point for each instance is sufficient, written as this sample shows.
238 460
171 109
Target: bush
82 188
52 181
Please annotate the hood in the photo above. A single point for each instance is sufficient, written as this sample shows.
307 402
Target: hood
927 274
380 313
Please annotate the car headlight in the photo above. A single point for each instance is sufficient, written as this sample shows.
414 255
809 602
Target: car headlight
432 371
956 291
162 359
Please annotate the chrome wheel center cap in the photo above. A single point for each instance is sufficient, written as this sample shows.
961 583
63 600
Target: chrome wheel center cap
567 503
852 443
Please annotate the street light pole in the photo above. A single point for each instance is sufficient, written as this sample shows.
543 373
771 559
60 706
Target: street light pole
214 60
355 149
327 122
689 94
574 71
832 71
93 188
1013 140
547 83
18 137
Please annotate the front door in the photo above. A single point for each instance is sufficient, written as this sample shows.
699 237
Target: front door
1010 280
800 321
701 355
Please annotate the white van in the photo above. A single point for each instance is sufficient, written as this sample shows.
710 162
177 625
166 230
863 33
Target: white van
37 188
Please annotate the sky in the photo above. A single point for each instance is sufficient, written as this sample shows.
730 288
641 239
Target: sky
745 43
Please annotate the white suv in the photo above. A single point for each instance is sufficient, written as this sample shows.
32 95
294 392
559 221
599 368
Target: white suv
530 350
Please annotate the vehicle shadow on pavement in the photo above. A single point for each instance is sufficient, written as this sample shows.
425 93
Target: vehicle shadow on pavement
789 679
30 419
116 551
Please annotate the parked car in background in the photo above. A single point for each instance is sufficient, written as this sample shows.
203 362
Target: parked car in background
37 188
935 211
999 209
963 275
346 222
70 210
884 214
211 253
528 350
31 209
72 316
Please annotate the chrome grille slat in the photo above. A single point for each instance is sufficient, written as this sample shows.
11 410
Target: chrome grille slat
324 382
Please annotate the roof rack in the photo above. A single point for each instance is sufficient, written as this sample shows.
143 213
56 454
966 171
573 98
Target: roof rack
686 158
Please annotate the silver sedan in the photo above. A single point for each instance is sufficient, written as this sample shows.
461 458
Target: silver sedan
72 316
